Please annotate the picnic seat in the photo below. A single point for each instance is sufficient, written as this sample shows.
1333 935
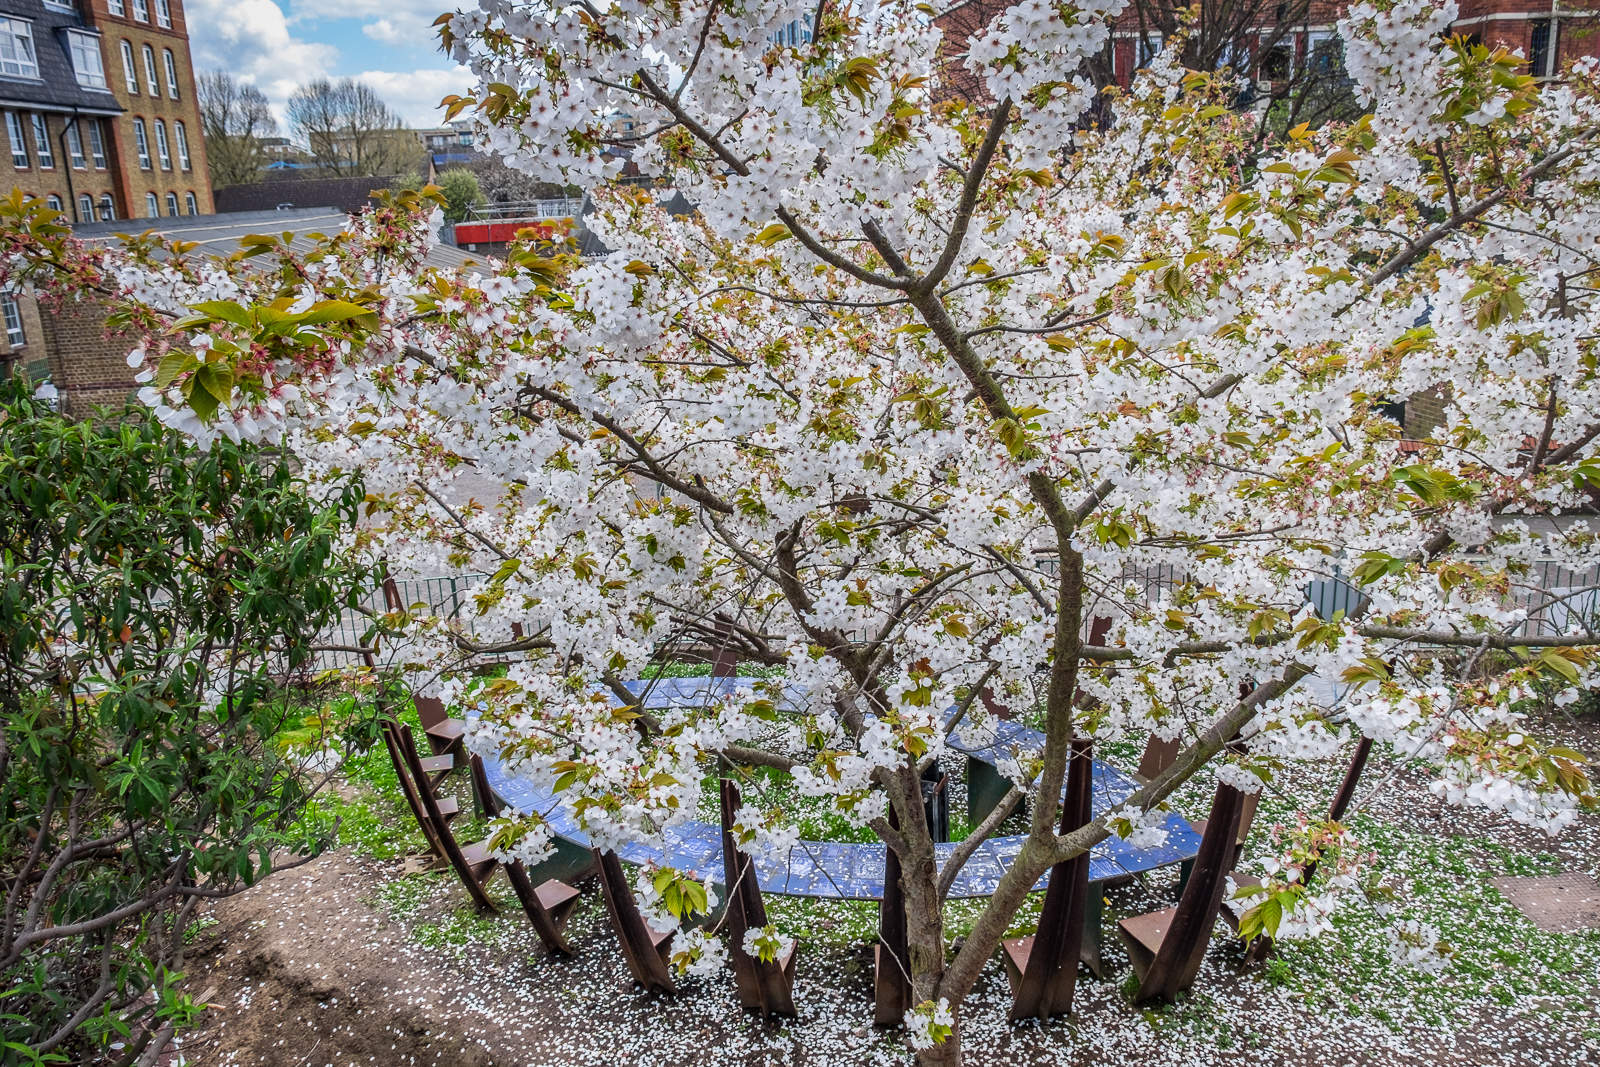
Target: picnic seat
550 904
1166 947
1043 967
766 986
445 735
645 949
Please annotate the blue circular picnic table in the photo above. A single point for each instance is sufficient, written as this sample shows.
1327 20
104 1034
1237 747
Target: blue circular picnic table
845 871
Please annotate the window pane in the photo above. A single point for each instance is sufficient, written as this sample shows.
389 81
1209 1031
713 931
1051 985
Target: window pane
183 145
152 207
115 7
16 49
86 59
108 207
75 145
97 147
13 319
41 142
172 204
128 73
141 10
85 208
191 203
172 73
161 145
142 143
150 71
19 147
164 13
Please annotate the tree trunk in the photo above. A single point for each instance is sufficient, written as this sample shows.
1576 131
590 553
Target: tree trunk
947 1054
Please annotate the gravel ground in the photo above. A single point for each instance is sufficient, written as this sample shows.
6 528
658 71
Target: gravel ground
352 960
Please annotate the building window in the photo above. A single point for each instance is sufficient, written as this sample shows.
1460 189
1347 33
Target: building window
19 147
172 205
1539 50
75 146
60 5
16 49
115 7
97 147
183 145
53 202
152 206
129 75
164 14
191 203
142 143
85 208
41 143
1324 52
172 72
13 316
108 208
141 10
163 153
150 71
1147 48
86 62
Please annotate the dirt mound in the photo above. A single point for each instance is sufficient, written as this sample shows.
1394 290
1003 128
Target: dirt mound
306 970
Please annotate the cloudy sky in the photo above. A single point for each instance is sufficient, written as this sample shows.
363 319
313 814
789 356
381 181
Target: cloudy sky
278 44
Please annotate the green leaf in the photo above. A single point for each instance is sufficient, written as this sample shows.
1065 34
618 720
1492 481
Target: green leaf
226 310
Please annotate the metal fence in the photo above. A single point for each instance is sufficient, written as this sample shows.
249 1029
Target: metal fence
1559 601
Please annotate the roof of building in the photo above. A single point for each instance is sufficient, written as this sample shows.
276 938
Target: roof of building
220 234
289 187
56 88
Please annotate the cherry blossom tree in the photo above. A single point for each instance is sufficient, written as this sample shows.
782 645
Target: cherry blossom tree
922 389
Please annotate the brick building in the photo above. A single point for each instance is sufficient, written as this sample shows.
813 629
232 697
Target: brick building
59 112
161 159
1548 33
99 108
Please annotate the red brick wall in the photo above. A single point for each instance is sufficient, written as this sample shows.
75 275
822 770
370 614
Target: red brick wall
87 365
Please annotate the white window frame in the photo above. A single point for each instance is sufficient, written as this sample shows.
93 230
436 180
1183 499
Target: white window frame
16 36
170 66
164 14
150 77
91 71
152 206
61 5
16 337
172 205
19 141
75 154
97 145
1315 38
85 208
108 208
141 143
41 141
115 7
163 148
53 202
181 136
190 202
130 69
1146 47
141 10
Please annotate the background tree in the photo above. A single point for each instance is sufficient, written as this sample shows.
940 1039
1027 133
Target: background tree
235 118
151 597
349 130
461 193
501 184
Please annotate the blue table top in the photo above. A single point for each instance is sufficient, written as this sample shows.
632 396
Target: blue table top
850 871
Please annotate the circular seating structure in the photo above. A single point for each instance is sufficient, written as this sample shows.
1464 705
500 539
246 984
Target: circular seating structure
844 871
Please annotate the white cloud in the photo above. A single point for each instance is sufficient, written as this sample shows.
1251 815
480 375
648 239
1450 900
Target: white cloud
416 94
251 40
385 32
